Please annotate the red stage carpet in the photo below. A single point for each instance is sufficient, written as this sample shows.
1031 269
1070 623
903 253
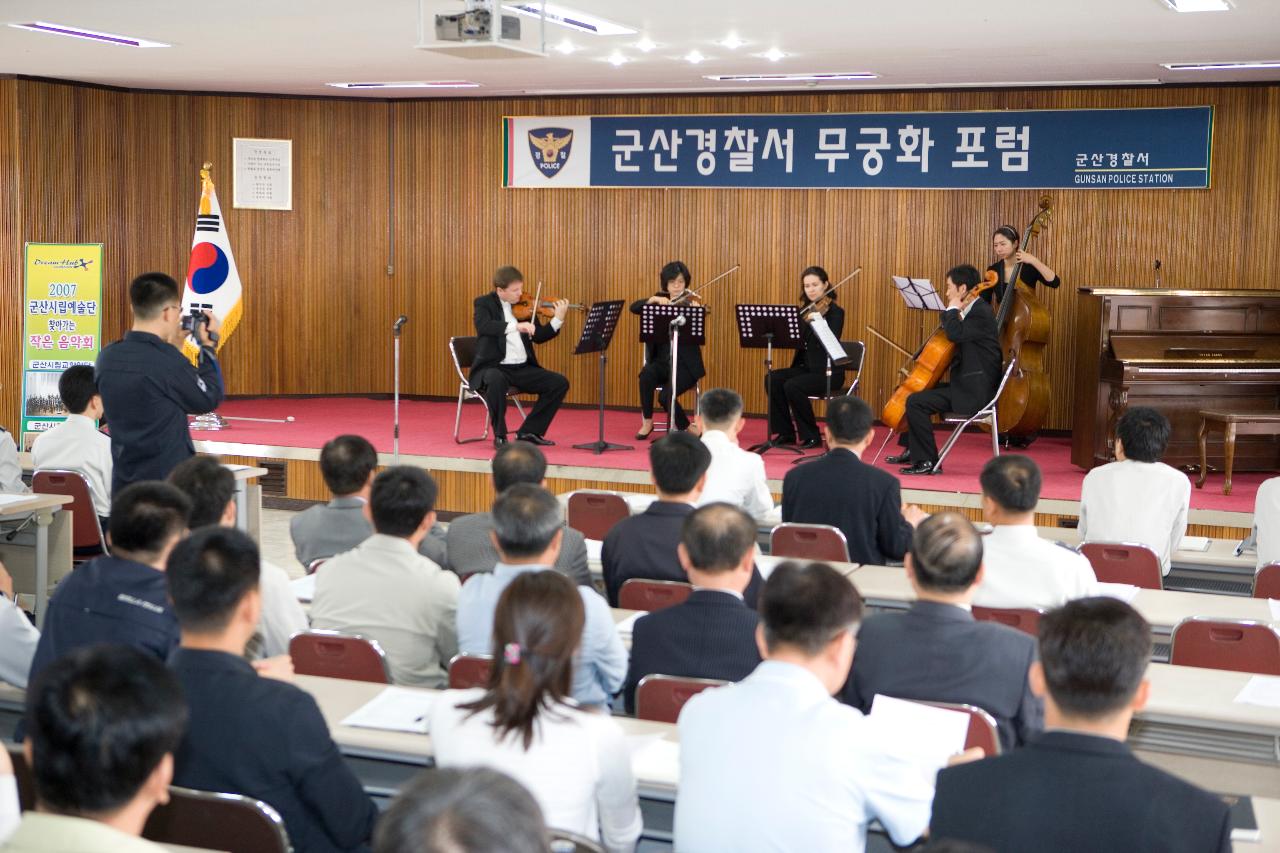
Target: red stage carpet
426 429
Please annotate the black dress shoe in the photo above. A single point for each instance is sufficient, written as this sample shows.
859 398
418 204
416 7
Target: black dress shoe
921 467
810 443
499 440
535 439
901 459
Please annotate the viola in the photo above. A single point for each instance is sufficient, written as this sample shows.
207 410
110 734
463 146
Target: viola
1024 324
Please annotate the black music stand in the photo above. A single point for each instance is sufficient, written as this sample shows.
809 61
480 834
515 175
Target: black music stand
769 326
597 333
686 323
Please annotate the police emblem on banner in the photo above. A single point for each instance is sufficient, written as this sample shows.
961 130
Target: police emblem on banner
550 148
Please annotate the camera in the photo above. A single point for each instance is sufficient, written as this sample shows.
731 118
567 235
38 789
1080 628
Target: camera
193 319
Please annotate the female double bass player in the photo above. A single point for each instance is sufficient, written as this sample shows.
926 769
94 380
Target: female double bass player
1014 263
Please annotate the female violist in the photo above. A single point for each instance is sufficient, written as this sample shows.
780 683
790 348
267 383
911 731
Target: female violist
674 281
1004 242
792 387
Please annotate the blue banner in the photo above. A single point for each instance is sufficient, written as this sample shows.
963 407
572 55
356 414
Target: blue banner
1157 148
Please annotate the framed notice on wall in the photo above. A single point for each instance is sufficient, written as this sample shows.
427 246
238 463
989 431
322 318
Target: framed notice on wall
263 174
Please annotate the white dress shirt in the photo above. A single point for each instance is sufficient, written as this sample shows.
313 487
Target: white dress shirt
1022 570
515 341
775 763
736 476
10 813
1141 502
578 767
282 615
10 469
386 591
76 445
1266 521
18 641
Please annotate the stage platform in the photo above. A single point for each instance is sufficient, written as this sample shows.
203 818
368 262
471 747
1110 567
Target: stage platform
292 451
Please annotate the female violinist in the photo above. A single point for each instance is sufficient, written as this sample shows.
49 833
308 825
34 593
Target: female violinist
790 388
1011 260
674 280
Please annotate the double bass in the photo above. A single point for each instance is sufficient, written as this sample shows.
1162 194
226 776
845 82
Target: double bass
1024 324
931 361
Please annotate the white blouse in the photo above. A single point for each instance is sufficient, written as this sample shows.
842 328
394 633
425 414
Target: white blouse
578 767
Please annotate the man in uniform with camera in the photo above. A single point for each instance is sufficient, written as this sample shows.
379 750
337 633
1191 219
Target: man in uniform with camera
148 387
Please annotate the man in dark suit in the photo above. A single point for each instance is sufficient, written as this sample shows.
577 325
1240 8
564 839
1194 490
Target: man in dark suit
713 633
1078 786
249 733
975 371
936 651
470 537
840 490
644 545
505 359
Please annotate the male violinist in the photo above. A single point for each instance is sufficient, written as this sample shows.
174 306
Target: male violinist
975 371
504 358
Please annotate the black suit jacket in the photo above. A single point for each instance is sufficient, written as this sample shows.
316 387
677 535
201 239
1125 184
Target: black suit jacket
939 653
268 740
1073 792
864 502
644 546
975 367
491 330
689 355
710 635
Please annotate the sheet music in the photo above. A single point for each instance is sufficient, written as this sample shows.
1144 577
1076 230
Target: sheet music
834 350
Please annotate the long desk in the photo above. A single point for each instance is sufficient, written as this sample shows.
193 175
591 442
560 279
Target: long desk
38 557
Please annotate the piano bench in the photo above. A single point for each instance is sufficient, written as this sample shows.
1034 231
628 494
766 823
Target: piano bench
1231 424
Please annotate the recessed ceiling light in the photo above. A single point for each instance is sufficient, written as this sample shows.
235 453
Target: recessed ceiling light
572 18
772 54
91 35
616 59
566 47
694 57
1220 66
1198 5
732 42
793 78
409 84
645 44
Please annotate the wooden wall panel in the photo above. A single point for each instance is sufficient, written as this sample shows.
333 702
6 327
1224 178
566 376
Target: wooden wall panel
121 167
11 298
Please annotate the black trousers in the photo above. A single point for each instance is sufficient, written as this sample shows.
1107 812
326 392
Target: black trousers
789 397
530 379
921 407
659 373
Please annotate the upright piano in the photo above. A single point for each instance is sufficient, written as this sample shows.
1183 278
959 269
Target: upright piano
1177 351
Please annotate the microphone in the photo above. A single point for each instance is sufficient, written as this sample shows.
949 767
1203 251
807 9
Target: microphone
399 323
1157 271
679 321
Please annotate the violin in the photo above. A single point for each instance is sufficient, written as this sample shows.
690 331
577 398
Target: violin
524 310
823 302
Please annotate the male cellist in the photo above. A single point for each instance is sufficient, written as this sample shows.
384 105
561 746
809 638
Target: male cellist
975 371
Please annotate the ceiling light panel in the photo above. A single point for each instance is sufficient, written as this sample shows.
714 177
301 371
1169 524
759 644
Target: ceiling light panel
409 84
1198 5
1221 66
574 19
89 35
793 78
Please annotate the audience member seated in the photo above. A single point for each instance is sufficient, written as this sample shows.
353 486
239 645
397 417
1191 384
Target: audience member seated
841 490
211 488
1078 786
475 810
1019 569
712 634
10 469
1137 498
935 651
383 589
102 726
469 539
75 444
575 762
251 734
644 546
736 476
347 464
527 530
121 598
774 762
1266 521
18 637
10 808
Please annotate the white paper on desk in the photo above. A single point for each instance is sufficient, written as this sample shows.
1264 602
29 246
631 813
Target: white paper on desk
924 733
1126 592
766 563
304 588
595 549
654 757
395 709
626 626
1275 609
1194 543
1261 690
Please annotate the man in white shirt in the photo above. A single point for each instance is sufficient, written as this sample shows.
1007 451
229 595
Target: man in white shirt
1021 569
211 489
774 762
736 476
383 589
1137 498
75 444
10 469
1266 522
18 637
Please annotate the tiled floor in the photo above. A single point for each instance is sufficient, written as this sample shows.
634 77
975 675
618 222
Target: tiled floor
276 545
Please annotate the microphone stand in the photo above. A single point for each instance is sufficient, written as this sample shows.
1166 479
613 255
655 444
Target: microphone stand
395 406
674 328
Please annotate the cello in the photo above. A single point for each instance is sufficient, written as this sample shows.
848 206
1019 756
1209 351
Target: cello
931 361
1024 324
